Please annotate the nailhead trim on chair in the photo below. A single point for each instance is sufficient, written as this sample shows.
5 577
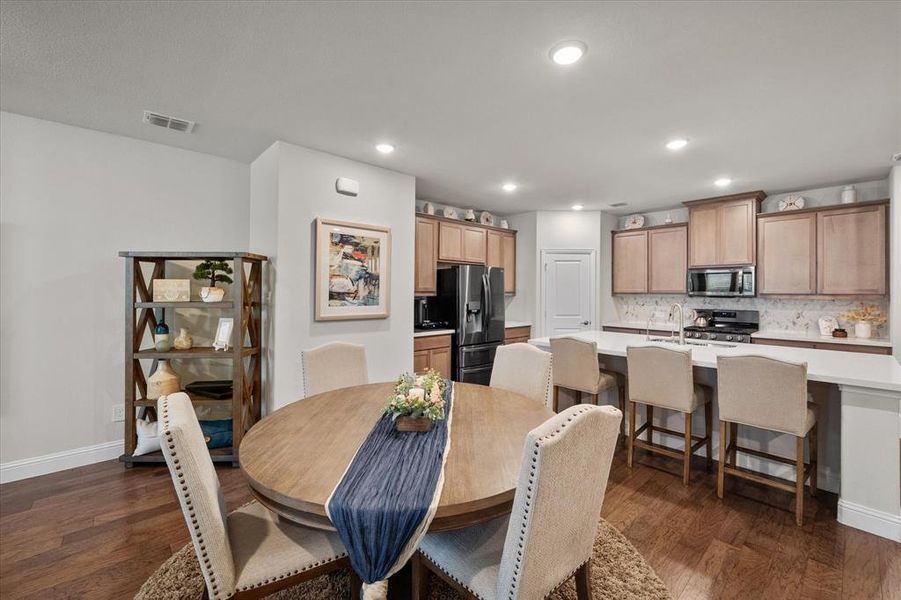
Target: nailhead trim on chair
451 575
291 573
548 390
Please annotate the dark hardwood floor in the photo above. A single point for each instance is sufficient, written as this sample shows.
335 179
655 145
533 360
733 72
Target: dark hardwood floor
100 531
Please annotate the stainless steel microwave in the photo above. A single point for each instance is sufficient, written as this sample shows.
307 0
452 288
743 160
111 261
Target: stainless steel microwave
722 281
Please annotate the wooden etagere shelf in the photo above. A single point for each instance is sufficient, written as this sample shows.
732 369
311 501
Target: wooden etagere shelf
142 314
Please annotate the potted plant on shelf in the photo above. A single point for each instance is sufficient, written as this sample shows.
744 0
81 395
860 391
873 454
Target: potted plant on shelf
418 401
865 317
215 271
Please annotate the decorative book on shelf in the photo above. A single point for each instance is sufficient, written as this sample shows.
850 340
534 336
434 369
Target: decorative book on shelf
242 394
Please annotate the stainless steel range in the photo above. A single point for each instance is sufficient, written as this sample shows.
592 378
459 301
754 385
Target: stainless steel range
724 325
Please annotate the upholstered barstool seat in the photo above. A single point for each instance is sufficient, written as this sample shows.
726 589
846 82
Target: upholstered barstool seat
664 378
576 368
766 393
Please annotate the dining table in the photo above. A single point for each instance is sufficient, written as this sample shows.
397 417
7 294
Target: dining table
294 458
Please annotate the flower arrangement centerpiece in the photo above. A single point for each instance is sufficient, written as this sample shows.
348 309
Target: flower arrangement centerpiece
418 401
865 317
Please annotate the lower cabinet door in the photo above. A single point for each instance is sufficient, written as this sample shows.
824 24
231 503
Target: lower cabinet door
439 360
421 361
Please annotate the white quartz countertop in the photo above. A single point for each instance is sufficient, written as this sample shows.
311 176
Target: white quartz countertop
803 336
875 371
510 324
431 332
655 325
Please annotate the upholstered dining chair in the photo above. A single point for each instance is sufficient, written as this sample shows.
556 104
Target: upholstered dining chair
768 394
249 553
332 366
663 378
549 536
524 369
576 368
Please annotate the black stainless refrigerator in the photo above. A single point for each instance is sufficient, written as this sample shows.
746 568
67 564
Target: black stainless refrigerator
471 299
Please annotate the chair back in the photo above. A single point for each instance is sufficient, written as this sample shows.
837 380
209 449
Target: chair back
565 465
332 366
524 369
198 491
763 392
576 364
661 377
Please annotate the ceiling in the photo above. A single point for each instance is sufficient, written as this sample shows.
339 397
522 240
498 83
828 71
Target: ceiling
778 96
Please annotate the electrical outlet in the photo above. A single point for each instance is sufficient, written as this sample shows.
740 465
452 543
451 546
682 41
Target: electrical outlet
118 413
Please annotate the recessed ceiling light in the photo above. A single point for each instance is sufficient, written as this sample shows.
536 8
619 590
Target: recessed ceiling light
577 207
385 148
566 53
676 144
722 182
509 187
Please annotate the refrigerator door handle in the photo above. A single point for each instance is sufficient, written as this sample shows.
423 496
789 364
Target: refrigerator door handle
486 284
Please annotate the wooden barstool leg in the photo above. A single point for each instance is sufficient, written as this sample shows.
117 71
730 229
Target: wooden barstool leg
799 480
721 470
814 462
621 392
733 440
649 416
594 399
630 449
708 427
556 398
686 456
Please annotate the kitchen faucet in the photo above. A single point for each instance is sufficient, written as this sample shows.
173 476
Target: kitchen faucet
672 310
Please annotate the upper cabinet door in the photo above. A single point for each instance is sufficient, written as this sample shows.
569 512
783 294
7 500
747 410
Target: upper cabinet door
509 243
474 245
425 280
703 236
851 251
667 257
787 254
450 242
737 232
495 246
630 262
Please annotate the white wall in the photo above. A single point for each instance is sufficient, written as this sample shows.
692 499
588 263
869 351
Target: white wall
70 199
524 305
895 259
306 190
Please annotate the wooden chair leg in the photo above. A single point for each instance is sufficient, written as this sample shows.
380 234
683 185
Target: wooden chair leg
583 582
708 429
799 480
630 450
721 470
686 456
355 583
420 576
556 398
814 462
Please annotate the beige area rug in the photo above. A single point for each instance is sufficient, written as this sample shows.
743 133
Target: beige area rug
618 572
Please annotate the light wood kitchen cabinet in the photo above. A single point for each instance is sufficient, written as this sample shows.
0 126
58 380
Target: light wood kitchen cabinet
517 335
432 352
501 252
787 253
461 243
723 231
851 250
495 249
425 279
630 262
667 260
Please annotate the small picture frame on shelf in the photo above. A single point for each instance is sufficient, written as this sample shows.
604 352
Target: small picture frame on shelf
223 337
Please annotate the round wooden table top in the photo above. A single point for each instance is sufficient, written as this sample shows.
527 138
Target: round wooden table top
294 458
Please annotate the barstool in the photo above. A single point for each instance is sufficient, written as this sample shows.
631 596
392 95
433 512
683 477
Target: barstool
768 394
663 378
576 368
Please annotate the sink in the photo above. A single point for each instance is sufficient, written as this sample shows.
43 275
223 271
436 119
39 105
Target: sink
691 342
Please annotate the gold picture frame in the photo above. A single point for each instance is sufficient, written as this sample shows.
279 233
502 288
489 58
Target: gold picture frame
353 271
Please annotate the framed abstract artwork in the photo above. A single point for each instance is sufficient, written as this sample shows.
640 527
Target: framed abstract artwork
352 271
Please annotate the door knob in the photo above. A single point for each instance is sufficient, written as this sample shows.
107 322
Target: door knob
586 322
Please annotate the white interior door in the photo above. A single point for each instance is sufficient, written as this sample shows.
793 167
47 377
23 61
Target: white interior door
568 291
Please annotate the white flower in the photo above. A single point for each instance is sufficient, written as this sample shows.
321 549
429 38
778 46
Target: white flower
416 393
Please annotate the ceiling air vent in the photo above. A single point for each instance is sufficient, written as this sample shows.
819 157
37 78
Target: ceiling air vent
173 123
618 204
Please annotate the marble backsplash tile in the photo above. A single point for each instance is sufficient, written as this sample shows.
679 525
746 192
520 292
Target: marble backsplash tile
781 314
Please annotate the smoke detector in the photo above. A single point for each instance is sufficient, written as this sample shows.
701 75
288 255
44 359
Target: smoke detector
168 122
896 157
617 204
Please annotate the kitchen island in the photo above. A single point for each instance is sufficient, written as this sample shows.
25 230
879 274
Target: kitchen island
870 428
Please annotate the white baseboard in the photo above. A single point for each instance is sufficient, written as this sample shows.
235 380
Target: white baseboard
15 470
870 520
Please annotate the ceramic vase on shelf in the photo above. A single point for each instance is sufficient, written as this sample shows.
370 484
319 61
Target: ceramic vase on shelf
184 341
212 294
161 336
863 329
163 381
849 195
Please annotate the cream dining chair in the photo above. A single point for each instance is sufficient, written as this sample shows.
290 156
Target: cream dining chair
524 369
769 394
576 368
663 378
249 553
549 536
332 366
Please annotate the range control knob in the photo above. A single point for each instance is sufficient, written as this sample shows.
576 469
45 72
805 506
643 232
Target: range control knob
728 338
712 336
